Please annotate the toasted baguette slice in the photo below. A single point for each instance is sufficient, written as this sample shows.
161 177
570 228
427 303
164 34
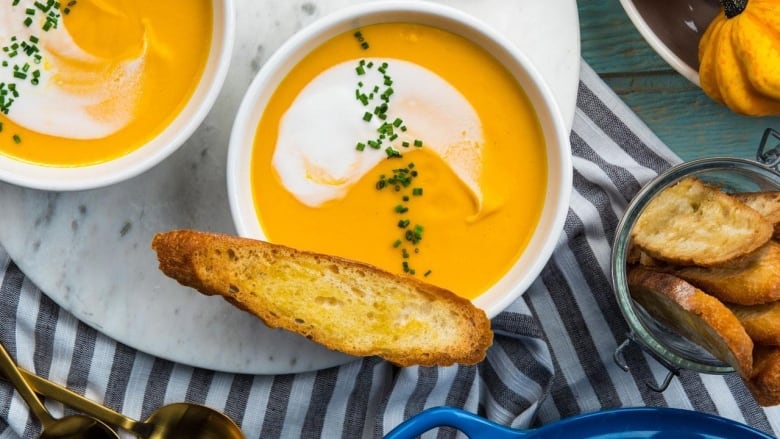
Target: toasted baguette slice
765 382
691 223
694 314
751 280
347 306
765 203
762 322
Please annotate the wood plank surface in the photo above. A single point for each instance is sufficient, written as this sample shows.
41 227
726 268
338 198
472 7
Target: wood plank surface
679 113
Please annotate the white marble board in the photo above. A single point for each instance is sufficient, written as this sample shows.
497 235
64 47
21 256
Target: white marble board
89 250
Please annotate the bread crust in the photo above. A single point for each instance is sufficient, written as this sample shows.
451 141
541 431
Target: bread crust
694 314
765 382
762 322
345 305
752 279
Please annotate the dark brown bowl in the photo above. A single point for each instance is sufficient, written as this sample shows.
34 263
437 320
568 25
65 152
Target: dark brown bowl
673 29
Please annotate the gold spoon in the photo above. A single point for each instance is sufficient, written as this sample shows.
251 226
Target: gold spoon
173 421
74 426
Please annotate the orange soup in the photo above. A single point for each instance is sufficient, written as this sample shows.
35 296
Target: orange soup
96 79
407 147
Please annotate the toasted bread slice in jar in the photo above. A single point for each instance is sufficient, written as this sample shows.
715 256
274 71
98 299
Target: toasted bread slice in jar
694 314
764 384
691 223
765 203
762 322
750 280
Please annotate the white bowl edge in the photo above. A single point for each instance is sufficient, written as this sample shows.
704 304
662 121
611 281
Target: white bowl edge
53 178
559 184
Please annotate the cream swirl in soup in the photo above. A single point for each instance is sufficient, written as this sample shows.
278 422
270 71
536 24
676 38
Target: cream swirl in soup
320 163
84 96
85 82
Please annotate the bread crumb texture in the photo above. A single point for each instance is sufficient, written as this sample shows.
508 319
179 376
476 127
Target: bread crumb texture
345 305
691 223
706 263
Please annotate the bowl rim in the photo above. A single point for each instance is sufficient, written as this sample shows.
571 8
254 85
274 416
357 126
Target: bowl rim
638 330
559 184
655 42
159 147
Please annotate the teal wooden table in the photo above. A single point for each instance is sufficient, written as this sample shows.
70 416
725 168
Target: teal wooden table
679 113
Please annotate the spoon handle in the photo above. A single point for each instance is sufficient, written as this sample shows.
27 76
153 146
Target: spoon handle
80 403
9 369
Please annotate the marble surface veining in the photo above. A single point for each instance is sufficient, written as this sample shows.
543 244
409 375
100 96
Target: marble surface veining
90 250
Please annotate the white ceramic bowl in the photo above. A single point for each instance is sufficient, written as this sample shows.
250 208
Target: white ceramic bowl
558 150
157 149
673 28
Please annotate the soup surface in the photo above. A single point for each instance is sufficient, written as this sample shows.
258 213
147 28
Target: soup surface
93 80
407 147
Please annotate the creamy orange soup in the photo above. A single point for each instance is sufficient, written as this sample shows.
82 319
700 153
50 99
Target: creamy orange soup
113 74
467 241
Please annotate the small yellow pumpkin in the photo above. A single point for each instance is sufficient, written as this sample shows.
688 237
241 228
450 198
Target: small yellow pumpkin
739 57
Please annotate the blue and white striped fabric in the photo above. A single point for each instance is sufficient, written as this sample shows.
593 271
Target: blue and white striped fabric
552 356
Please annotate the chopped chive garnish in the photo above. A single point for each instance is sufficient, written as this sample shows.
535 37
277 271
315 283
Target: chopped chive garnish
427 273
401 208
17 139
360 146
418 143
403 224
417 191
397 243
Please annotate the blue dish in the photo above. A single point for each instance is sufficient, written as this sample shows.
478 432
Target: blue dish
634 423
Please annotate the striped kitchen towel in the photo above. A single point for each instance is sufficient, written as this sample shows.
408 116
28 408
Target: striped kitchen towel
552 356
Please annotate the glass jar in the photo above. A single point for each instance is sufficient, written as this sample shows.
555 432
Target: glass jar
732 175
